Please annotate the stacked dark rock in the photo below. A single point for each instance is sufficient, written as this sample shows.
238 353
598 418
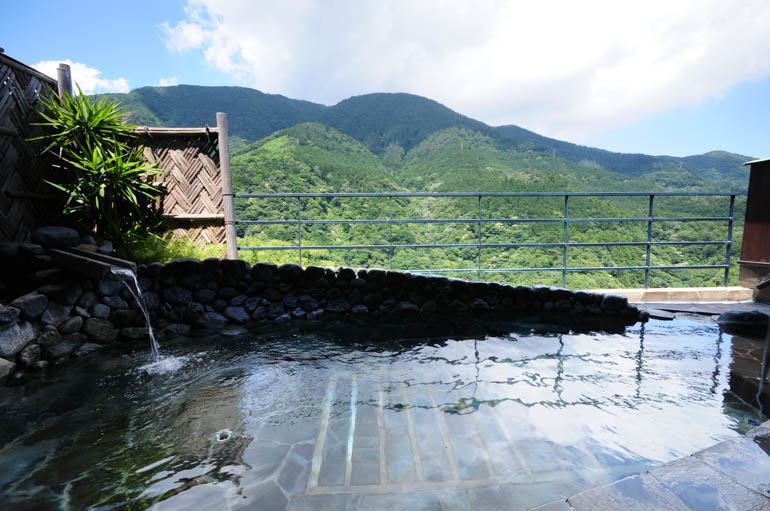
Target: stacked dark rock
63 312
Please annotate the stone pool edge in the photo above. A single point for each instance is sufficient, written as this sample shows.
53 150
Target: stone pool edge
66 312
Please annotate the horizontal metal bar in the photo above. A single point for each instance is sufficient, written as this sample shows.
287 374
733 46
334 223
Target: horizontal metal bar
588 268
485 194
360 247
382 221
483 245
485 220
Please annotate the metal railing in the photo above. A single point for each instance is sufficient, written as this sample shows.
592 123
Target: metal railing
566 220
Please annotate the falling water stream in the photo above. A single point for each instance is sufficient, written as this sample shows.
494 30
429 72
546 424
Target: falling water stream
125 272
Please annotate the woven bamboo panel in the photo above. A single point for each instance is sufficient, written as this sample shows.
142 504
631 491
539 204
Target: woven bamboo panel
190 163
23 203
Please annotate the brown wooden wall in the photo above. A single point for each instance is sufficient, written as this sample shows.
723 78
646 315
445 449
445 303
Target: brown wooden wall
24 205
189 158
756 231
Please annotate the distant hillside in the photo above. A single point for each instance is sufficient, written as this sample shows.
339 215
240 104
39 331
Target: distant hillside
390 125
250 114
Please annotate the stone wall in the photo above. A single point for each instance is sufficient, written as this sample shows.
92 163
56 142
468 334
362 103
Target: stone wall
69 307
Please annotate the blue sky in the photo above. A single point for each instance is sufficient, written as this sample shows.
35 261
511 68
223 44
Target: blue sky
659 77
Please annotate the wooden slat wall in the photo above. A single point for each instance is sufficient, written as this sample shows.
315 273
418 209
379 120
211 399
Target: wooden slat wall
23 207
190 161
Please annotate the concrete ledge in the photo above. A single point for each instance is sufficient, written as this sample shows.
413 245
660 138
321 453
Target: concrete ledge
683 294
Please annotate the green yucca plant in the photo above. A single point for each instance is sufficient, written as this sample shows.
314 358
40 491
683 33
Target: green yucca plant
78 122
105 180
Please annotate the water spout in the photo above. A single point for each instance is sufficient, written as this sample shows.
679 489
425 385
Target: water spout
125 272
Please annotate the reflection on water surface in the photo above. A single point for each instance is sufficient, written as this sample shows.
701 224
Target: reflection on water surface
314 420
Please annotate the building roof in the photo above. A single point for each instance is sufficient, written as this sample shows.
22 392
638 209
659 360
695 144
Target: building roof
763 160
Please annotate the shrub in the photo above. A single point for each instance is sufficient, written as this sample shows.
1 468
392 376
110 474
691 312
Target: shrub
105 180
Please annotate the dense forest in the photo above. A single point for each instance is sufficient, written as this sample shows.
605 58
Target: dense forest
401 142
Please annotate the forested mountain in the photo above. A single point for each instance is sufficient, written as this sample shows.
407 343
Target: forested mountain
315 157
395 123
251 114
402 142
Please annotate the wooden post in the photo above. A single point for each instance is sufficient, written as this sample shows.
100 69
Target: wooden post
64 79
227 187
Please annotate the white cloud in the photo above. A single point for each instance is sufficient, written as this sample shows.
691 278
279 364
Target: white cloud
562 68
88 78
171 80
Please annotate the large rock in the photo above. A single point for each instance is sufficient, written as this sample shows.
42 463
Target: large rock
308 303
211 320
87 348
55 313
614 303
738 319
263 271
237 314
86 300
115 302
175 329
67 294
29 355
339 305
49 335
31 305
192 312
124 317
71 325
56 237
6 370
100 330
205 296
289 273
134 333
13 339
110 287
234 268
60 350
100 310
105 248
176 295
9 316
185 266
151 300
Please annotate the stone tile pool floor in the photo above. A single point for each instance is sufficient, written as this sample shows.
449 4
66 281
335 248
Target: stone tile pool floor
385 444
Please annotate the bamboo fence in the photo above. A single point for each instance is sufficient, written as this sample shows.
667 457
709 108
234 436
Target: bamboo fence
26 201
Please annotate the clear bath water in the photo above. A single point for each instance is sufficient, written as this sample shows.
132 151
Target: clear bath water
347 419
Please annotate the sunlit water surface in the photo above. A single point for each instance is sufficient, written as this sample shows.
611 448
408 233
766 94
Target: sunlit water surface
269 420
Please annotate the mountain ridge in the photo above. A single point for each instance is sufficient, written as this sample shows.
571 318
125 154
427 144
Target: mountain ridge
393 122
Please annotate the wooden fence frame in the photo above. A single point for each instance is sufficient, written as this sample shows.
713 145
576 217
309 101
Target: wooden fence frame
196 174
22 186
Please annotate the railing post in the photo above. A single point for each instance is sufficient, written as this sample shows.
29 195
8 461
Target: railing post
649 244
227 186
729 239
478 271
564 249
390 234
64 80
299 228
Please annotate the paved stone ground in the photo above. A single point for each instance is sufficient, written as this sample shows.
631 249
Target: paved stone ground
732 475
